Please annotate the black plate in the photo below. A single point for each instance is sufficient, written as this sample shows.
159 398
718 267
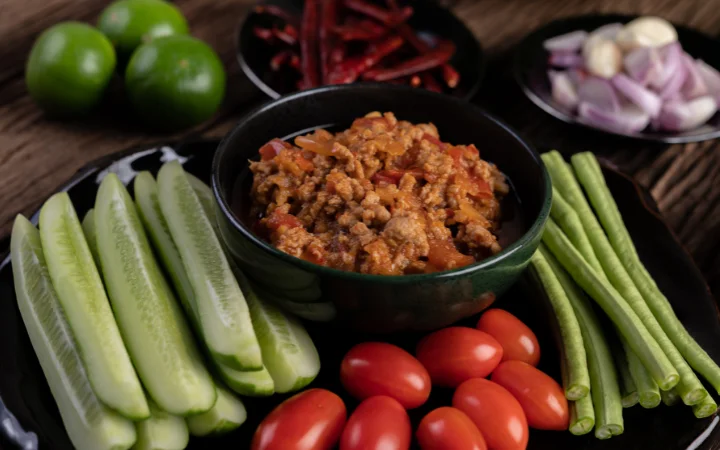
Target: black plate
254 54
531 72
26 394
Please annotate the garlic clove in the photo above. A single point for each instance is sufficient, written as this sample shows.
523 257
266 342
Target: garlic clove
647 31
603 59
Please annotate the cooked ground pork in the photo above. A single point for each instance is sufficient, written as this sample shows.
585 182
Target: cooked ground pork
383 197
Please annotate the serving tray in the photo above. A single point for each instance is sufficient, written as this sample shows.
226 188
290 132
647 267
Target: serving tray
25 395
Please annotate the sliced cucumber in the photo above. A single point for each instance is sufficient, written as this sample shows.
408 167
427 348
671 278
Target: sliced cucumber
148 205
287 350
205 195
155 331
257 383
82 296
227 414
89 423
223 312
88 226
251 384
162 431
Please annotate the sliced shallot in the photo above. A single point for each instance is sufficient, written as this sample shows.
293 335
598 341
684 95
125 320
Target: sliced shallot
566 60
647 100
569 42
563 90
676 81
671 62
710 76
644 65
683 116
694 84
628 119
598 92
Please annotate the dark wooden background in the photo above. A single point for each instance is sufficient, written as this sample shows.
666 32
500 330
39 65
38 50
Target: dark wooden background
37 155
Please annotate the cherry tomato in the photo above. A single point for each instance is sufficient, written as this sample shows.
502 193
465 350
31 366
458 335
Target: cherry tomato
495 412
541 397
517 340
449 429
378 423
376 368
310 420
456 354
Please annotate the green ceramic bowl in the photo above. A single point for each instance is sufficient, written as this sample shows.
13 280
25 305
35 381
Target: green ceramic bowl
373 302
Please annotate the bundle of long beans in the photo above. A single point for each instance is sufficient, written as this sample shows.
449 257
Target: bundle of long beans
588 252
343 41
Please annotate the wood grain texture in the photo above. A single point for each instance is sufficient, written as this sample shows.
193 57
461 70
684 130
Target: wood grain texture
37 154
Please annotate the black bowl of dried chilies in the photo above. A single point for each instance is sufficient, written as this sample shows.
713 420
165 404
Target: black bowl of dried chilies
287 45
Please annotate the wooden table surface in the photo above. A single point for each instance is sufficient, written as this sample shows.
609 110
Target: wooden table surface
37 154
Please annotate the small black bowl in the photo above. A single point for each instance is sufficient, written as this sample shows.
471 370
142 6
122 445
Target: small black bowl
428 18
375 302
531 66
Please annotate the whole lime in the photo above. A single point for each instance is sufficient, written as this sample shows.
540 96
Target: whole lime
69 67
175 82
129 23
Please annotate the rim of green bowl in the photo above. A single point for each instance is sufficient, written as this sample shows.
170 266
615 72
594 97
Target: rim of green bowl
536 227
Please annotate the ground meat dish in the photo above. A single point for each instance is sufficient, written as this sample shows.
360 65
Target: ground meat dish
383 197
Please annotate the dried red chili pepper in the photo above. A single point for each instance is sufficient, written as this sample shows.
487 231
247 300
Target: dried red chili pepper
294 61
450 75
352 68
309 45
281 58
266 34
365 30
429 60
283 35
327 26
338 53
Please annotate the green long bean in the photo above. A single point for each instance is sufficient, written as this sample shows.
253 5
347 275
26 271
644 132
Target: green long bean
677 343
582 416
604 387
670 398
566 217
628 390
705 408
614 305
576 378
689 386
647 388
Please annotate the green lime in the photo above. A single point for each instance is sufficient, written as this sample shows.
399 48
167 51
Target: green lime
69 67
129 23
175 81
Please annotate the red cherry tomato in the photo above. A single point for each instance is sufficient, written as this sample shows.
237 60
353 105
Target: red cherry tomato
517 340
449 429
376 368
310 420
378 423
541 397
456 354
495 412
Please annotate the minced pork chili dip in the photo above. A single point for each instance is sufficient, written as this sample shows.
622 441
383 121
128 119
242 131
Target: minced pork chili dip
385 197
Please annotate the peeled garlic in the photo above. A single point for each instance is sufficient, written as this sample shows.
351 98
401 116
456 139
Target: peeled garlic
646 32
603 59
